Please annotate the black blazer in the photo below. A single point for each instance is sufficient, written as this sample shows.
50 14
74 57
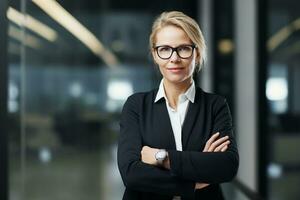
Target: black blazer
144 122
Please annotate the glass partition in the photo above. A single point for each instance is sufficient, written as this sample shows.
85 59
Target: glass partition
72 64
283 95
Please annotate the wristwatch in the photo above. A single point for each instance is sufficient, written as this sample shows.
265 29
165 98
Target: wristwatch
160 156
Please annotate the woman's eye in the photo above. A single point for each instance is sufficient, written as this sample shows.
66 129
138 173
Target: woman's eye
164 49
184 48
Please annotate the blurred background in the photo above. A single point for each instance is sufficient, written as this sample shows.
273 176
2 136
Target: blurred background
67 67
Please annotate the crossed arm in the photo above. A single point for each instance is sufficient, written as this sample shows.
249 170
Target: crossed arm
214 144
186 171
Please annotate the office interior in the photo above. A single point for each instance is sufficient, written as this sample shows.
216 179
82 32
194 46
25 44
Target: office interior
67 67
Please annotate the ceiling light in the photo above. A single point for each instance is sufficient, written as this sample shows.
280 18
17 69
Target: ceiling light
32 24
64 18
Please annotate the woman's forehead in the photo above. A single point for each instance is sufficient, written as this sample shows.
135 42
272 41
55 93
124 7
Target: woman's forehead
172 35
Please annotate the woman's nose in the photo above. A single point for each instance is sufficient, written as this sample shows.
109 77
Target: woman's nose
174 57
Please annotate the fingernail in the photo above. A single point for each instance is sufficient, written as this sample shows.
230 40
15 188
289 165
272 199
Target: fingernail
217 133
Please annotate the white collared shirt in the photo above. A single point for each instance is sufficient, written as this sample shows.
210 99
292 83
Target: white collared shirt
177 116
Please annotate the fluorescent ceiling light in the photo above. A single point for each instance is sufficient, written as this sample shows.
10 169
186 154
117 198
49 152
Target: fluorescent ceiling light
64 18
281 35
26 39
32 24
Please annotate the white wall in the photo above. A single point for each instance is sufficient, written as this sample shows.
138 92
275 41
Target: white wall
206 27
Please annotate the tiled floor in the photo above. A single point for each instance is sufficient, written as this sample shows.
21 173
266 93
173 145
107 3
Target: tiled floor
74 174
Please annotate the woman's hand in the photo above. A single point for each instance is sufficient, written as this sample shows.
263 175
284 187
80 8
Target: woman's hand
219 145
148 155
213 145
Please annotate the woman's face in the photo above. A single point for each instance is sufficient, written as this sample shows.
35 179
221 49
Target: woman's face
175 69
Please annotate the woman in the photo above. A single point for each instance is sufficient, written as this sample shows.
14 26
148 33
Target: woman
176 142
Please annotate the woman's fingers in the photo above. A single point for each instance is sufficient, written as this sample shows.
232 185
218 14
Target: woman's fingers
210 141
217 143
222 146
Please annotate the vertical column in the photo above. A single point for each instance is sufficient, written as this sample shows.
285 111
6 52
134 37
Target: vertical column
3 102
246 90
263 140
206 20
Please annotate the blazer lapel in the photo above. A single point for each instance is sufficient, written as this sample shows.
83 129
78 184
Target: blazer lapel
190 119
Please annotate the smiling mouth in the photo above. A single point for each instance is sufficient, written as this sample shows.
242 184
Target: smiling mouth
175 69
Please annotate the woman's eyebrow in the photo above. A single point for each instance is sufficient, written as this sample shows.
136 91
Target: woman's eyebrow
183 44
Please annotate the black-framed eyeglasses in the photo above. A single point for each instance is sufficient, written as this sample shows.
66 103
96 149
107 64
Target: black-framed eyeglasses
183 51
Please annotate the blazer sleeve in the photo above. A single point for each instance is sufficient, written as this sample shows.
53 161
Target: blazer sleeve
137 175
209 167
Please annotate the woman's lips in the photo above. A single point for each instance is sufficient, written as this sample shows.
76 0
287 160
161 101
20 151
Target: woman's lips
175 69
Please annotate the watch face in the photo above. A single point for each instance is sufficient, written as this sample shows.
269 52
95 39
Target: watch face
160 155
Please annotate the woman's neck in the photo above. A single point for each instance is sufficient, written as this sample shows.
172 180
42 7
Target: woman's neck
173 90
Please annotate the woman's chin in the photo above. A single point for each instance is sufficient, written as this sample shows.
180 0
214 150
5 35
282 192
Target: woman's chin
176 79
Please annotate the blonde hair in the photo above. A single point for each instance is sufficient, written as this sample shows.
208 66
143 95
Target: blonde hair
187 24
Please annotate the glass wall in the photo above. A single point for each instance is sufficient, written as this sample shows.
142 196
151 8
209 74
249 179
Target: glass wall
72 64
283 95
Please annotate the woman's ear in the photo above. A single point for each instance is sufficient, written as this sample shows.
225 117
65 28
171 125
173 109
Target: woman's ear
198 58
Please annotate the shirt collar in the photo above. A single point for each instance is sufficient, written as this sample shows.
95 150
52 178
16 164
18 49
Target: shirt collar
189 94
